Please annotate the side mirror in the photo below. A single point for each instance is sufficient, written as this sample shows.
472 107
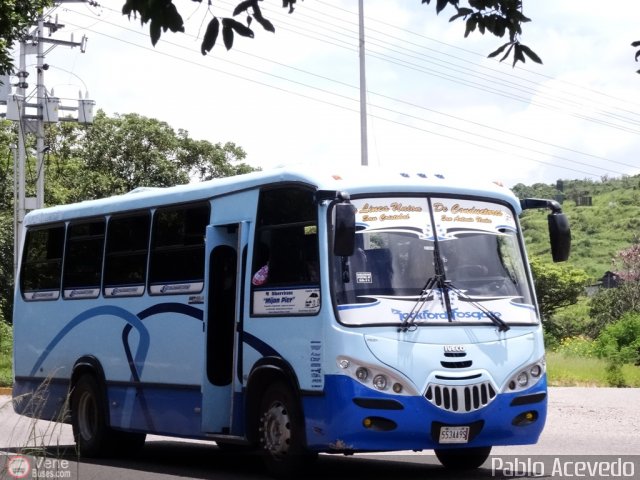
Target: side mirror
344 238
559 236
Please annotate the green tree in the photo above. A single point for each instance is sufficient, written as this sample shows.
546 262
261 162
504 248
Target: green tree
620 340
557 285
118 154
498 17
537 190
15 17
610 304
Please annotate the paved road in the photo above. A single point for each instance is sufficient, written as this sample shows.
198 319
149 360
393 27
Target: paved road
581 421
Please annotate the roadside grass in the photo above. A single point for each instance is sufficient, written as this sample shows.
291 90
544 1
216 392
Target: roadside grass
6 349
6 375
574 371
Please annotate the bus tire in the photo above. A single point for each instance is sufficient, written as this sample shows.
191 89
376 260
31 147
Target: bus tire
462 458
281 432
88 418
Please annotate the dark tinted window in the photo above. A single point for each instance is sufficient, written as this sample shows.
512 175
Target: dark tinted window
127 250
83 258
177 253
42 260
286 245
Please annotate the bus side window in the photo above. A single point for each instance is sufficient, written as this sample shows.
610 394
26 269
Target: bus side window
42 263
83 259
177 245
127 249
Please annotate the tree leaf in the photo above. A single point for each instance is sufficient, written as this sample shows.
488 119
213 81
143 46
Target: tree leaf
227 35
238 27
636 43
210 36
154 31
531 54
440 5
518 55
462 12
266 24
472 22
637 55
242 6
497 52
172 19
508 52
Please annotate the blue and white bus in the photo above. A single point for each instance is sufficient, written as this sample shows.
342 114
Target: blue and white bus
293 311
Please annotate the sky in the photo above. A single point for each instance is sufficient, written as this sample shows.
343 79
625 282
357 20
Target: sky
435 102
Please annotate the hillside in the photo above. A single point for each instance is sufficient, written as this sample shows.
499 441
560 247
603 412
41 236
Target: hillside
610 224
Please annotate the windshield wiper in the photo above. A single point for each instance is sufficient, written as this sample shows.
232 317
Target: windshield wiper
501 324
422 299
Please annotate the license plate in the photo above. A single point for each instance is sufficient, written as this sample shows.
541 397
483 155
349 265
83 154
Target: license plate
454 434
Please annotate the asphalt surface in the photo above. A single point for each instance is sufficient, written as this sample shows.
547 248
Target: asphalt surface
582 423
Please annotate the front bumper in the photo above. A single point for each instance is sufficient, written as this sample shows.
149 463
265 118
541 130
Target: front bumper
352 417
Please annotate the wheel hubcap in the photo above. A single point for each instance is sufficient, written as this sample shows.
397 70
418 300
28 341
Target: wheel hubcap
87 416
276 430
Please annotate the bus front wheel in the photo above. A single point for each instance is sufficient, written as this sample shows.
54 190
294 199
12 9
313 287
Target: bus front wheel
281 432
463 458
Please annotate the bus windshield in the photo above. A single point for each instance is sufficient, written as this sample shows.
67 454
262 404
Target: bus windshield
423 261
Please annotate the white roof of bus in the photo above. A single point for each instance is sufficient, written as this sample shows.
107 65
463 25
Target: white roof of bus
353 180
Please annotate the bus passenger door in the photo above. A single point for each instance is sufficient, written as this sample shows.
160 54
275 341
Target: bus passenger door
222 267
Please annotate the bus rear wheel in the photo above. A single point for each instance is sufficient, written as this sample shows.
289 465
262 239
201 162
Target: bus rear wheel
93 436
281 432
463 458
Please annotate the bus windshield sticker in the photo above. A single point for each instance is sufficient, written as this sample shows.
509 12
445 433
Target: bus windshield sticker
286 301
454 217
411 215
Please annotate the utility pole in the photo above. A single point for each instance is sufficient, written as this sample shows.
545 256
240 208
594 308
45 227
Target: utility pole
364 150
45 111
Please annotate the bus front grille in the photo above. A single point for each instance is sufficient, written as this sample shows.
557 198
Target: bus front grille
460 398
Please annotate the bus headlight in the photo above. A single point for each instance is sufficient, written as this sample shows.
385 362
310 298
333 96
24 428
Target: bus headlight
380 382
362 374
527 377
375 377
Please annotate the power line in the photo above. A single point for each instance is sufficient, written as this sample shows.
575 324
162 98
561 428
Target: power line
351 99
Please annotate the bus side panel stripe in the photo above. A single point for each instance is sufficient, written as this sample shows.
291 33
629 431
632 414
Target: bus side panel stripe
254 342
131 319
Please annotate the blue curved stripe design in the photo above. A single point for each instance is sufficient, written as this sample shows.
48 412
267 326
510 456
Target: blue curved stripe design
352 306
128 317
187 310
257 344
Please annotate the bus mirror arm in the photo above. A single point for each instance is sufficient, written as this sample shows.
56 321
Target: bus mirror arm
559 229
